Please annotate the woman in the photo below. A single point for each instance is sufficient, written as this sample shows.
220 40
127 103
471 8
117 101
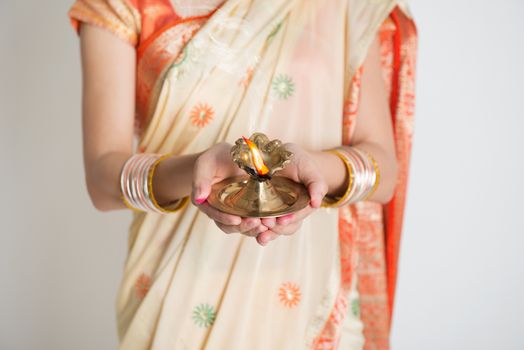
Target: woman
190 77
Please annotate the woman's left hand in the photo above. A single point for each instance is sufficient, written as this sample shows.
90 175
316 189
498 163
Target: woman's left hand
302 169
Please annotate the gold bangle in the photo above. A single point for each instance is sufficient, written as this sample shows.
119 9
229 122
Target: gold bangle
129 206
172 207
377 176
329 201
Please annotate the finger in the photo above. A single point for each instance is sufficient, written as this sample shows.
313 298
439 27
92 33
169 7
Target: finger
295 217
269 222
249 224
317 191
204 171
255 231
317 187
287 229
228 228
266 237
285 219
248 231
219 216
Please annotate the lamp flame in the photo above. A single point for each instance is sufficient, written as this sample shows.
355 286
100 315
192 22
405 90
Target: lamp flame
256 157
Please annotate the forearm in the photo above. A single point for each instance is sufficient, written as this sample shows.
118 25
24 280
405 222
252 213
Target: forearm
333 171
172 179
336 176
373 133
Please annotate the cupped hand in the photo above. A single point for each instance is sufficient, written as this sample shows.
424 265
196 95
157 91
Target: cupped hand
302 169
212 166
215 165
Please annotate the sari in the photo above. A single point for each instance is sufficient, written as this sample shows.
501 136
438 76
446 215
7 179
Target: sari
210 71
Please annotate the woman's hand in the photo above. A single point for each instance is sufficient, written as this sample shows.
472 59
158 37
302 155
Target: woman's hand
304 169
212 166
215 165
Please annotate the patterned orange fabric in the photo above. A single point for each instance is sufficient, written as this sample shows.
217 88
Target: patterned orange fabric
369 233
403 113
153 27
122 18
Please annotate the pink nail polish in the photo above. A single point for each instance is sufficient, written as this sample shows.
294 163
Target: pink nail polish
200 200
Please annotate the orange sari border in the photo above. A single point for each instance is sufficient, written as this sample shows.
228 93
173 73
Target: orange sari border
146 43
369 233
402 109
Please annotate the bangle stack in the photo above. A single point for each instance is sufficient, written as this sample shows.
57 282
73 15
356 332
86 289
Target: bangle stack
136 184
363 173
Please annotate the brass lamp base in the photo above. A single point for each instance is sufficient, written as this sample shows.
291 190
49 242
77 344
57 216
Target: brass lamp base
246 196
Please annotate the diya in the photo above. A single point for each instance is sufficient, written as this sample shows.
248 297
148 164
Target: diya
259 193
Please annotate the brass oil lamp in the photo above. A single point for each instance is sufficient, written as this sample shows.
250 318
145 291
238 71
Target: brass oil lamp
259 193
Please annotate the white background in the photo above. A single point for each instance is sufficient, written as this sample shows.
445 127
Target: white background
461 282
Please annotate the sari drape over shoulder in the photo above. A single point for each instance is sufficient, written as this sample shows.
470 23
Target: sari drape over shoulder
210 71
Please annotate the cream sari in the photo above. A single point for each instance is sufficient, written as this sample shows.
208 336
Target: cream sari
282 67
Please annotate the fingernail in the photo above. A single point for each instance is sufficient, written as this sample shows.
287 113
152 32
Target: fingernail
198 192
200 200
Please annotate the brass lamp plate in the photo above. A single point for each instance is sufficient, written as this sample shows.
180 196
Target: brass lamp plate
248 197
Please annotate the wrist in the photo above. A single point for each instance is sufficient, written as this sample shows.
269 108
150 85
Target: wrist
333 171
173 177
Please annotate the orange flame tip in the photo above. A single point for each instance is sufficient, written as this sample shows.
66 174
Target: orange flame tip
256 157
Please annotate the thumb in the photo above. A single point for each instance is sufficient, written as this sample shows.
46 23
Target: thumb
315 184
317 190
203 174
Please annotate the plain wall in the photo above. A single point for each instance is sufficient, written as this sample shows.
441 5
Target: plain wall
461 283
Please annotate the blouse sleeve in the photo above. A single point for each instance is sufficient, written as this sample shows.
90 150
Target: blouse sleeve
120 17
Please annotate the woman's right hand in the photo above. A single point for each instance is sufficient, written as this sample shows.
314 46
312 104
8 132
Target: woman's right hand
212 166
